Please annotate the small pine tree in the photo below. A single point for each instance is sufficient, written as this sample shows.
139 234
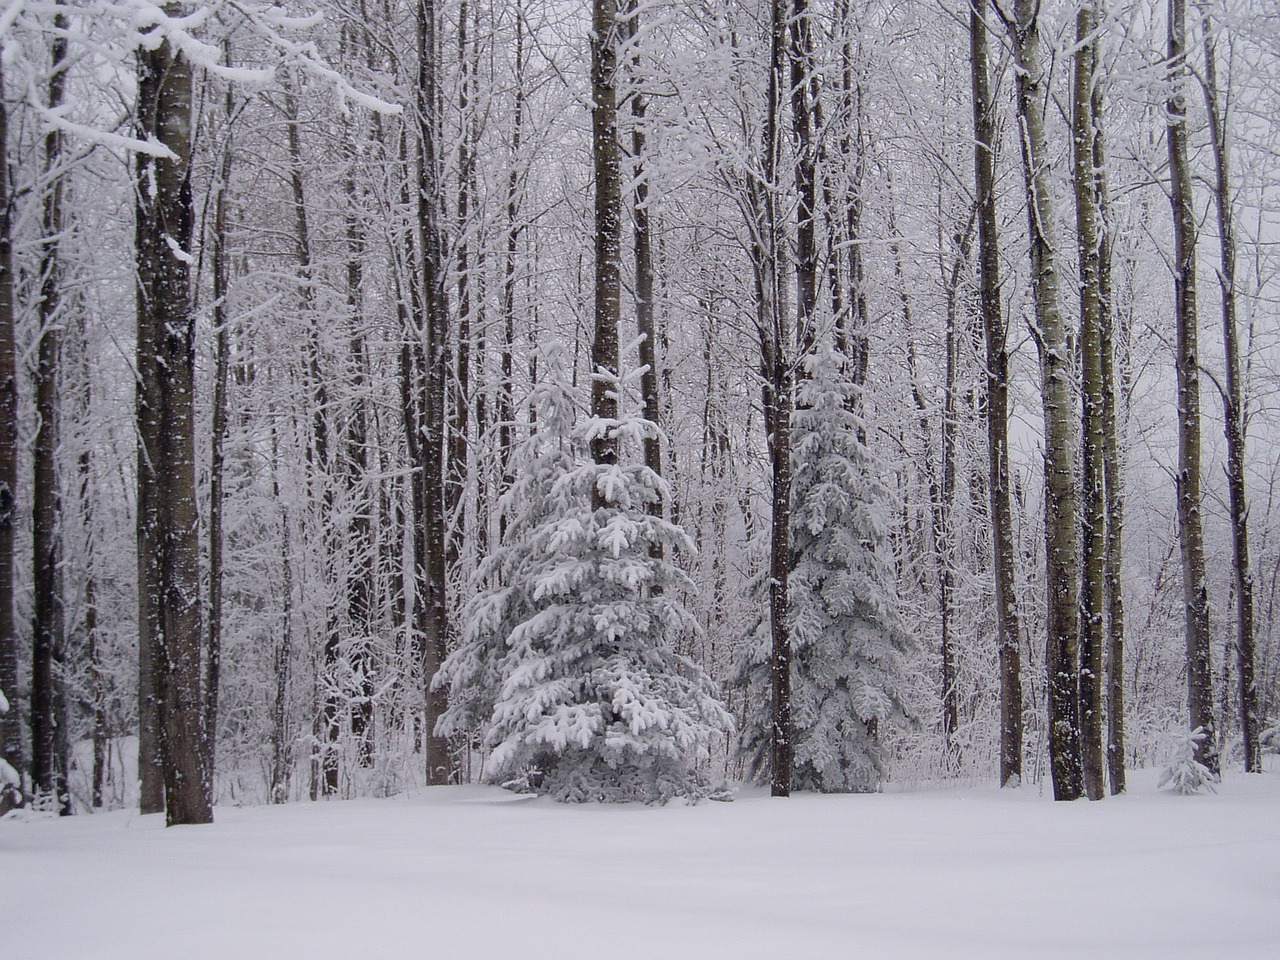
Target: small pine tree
567 662
848 640
1184 773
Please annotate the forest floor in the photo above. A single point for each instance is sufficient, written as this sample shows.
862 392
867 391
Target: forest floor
476 872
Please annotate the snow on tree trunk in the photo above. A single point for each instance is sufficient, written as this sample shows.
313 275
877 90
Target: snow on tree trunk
1093 479
1060 531
995 330
1190 508
168 547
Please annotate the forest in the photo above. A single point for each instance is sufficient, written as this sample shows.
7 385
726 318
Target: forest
622 401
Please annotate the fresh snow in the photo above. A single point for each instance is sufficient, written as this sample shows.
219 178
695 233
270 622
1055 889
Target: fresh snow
476 872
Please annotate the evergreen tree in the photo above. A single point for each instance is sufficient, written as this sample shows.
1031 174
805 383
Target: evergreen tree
848 640
567 661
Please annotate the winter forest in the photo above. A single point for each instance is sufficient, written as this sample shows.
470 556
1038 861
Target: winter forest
628 400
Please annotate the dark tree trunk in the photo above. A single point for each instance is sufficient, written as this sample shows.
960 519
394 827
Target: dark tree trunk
607 158
995 330
805 126
281 764
1113 467
168 545
434 334
49 760
218 439
774 330
10 723
643 246
1190 510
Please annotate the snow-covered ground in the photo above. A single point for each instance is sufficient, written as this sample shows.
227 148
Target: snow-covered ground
471 872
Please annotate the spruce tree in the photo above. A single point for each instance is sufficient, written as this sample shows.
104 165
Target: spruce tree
567 663
848 640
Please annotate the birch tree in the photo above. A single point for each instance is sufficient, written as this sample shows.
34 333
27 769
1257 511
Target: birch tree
1061 555
1187 362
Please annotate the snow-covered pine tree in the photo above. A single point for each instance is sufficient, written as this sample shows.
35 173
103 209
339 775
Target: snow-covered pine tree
567 661
848 640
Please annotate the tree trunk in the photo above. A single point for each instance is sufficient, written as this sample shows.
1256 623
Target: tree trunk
643 246
218 439
1062 573
1190 512
10 723
995 330
434 329
607 159
774 330
1113 469
506 389
1234 402
280 759
49 760
1093 527
806 123
168 545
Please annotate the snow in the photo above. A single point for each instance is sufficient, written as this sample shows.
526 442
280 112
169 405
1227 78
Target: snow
476 872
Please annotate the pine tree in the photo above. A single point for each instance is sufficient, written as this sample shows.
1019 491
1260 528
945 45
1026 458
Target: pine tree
848 640
567 662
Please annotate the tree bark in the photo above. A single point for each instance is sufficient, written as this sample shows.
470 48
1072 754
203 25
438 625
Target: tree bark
1234 401
774 330
506 389
643 248
607 160
49 746
434 330
995 331
1190 513
168 545
218 437
280 758
1113 468
1093 525
1061 557
10 723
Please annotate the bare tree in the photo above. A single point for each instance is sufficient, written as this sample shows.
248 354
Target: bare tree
996 331
1190 511
1113 475
168 529
49 760
773 328
10 723
1061 555
433 330
1093 539
1234 401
